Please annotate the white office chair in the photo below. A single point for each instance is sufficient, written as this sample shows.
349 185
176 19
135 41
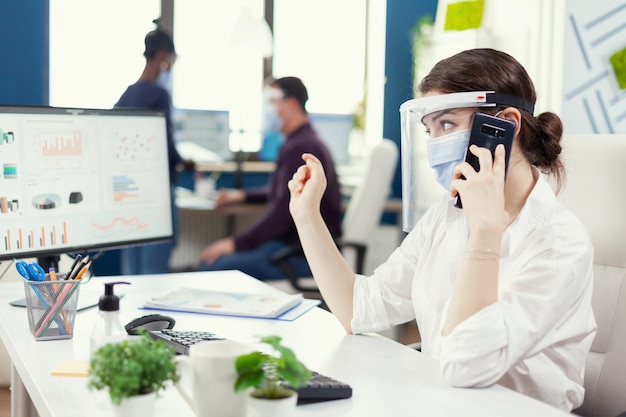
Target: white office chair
594 191
363 213
367 203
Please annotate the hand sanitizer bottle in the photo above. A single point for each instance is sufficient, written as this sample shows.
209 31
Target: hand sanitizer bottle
108 328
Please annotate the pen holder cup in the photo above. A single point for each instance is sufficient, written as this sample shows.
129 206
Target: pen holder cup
51 307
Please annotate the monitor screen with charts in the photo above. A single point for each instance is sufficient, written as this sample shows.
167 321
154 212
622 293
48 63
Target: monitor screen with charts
81 179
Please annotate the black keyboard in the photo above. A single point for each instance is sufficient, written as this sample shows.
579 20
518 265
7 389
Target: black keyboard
182 340
319 388
323 388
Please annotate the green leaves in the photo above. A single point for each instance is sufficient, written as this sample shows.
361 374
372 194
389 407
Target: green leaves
132 368
250 369
269 372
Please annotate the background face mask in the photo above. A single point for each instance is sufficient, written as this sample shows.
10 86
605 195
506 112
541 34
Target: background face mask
164 79
272 137
445 153
271 121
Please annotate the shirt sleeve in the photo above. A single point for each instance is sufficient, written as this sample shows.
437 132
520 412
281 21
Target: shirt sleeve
384 299
542 303
276 222
257 194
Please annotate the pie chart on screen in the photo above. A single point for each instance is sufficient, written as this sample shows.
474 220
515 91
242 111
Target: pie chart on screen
46 201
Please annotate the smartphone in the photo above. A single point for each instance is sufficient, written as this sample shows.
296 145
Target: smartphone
488 132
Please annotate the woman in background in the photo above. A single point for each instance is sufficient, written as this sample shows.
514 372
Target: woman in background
151 91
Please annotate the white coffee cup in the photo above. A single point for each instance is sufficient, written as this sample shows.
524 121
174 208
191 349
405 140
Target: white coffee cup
205 187
213 376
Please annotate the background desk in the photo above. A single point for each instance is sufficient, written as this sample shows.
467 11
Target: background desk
388 379
200 225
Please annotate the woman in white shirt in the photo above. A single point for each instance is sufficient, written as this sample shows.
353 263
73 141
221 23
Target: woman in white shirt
500 289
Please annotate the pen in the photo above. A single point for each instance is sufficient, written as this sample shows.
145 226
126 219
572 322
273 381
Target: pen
82 271
64 296
79 265
74 264
66 293
53 277
48 304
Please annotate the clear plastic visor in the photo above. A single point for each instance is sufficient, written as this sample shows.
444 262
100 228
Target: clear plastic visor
271 94
419 189
420 107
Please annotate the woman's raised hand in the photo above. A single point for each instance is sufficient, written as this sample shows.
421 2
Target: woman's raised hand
307 187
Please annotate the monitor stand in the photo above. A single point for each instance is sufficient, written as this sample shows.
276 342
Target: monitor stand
48 262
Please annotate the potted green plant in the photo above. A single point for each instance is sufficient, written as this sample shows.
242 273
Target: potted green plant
133 372
274 378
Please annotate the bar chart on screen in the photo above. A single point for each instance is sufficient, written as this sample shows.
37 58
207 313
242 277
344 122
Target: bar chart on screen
61 144
35 237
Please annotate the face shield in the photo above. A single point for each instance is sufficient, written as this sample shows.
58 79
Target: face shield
271 94
419 191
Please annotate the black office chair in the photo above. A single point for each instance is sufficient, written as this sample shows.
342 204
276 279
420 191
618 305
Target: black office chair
362 216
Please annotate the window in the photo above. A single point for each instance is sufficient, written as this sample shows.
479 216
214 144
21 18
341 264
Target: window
323 43
211 73
96 49
96 52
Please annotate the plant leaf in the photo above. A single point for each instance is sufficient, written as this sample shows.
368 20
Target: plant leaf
273 341
250 362
295 375
267 372
130 368
249 380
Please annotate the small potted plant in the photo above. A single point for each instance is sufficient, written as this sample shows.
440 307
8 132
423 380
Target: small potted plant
274 378
134 372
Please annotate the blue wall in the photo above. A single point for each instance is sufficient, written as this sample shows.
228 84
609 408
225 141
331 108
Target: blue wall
24 52
402 15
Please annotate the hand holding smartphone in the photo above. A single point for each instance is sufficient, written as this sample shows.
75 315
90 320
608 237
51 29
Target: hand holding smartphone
488 132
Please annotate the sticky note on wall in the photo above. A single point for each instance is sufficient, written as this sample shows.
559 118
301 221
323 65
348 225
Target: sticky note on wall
464 15
618 62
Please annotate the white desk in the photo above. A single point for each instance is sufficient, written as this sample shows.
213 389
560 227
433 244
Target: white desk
388 379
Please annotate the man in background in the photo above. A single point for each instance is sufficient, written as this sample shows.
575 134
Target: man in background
251 250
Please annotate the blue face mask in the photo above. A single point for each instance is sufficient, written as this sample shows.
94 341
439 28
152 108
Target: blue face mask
271 121
446 152
164 79
272 137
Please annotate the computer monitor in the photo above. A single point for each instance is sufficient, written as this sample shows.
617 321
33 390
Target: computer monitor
334 130
81 179
202 135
